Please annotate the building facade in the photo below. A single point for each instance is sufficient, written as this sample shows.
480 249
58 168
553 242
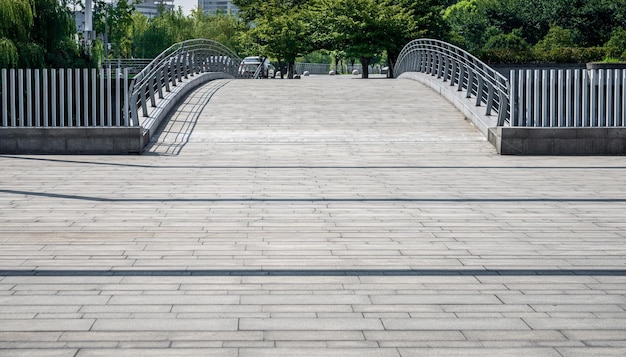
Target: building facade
215 6
150 8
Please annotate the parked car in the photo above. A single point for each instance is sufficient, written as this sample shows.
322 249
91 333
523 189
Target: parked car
249 66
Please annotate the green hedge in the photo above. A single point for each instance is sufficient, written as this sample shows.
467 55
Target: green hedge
557 55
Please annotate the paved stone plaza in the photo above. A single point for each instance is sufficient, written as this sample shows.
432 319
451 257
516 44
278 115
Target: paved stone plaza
328 216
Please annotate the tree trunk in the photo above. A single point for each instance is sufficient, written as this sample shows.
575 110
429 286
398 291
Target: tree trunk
281 69
365 61
392 58
290 70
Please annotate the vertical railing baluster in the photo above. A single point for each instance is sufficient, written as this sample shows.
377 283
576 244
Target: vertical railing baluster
159 76
20 96
5 101
166 80
179 61
623 102
521 110
126 98
594 98
102 98
561 99
586 86
569 117
172 72
609 98
109 96
553 96
94 96
545 86
77 95
536 98
513 97
479 91
85 91
453 72
13 97
151 90
61 97
143 100
38 98
461 78
470 84
528 113
601 106
617 85
577 99
29 97
70 96
490 98
53 102
118 98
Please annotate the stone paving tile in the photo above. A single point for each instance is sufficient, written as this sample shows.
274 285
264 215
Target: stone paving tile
495 352
165 325
165 352
314 352
28 352
373 224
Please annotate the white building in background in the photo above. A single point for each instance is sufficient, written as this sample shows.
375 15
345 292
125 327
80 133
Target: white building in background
150 8
214 6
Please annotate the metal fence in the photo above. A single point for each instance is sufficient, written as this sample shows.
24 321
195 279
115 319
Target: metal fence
106 97
134 65
312 68
568 98
531 98
64 98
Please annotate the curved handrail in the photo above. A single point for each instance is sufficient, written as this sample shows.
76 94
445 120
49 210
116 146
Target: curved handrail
462 69
181 60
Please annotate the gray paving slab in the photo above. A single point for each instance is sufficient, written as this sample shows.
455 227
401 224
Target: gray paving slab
325 216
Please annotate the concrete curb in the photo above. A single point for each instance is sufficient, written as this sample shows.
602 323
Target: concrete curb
91 140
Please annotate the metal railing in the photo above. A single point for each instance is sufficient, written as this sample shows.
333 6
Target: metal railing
181 60
312 68
461 69
110 97
73 97
134 65
568 98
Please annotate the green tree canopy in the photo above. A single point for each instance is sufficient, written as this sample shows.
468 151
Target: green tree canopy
38 33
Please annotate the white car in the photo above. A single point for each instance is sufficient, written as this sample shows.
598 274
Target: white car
249 66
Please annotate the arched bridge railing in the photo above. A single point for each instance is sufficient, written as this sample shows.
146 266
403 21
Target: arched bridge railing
175 65
462 70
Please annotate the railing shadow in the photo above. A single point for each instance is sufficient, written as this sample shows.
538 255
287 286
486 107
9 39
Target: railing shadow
174 134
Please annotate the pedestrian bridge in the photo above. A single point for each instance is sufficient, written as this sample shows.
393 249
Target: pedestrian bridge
326 216
530 112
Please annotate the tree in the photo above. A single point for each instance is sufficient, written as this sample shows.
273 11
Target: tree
616 45
364 28
279 28
221 27
115 22
52 37
428 22
16 22
511 48
38 33
470 23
